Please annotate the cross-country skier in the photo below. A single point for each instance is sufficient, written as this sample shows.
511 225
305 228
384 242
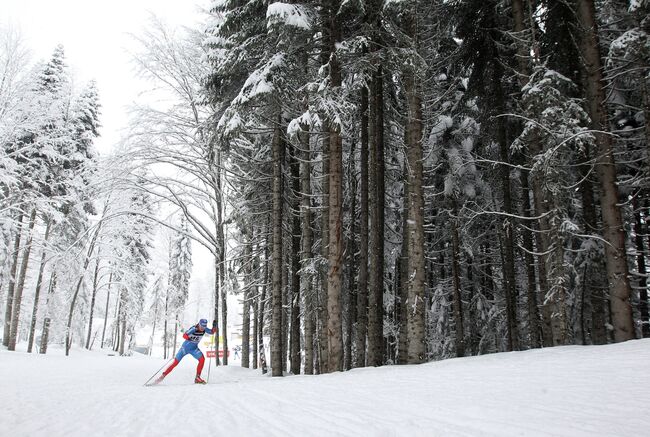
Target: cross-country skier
191 346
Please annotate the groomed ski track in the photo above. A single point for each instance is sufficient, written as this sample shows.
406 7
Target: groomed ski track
566 391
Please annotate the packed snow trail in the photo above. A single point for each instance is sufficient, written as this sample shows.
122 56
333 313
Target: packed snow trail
566 391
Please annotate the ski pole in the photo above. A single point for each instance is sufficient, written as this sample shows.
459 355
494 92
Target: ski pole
210 358
163 366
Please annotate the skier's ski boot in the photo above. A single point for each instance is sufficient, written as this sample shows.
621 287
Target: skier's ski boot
199 380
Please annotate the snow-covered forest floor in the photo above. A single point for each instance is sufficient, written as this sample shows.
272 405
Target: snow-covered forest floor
565 391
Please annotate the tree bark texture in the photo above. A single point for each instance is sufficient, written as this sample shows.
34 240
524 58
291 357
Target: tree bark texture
415 224
613 233
276 257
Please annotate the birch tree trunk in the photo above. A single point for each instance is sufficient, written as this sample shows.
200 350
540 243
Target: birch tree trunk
20 286
613 233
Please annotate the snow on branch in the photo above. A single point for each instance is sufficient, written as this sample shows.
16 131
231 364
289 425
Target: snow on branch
288 15
261 80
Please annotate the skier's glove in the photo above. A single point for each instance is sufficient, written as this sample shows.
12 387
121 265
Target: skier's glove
214 325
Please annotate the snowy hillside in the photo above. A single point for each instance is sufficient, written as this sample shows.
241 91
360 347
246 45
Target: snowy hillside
566 391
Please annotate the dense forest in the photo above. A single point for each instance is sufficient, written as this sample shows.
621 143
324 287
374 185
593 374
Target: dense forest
379 181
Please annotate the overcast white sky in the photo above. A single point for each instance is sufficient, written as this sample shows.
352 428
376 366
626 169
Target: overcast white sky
95 35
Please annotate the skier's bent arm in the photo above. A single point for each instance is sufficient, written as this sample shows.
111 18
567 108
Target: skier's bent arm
214 329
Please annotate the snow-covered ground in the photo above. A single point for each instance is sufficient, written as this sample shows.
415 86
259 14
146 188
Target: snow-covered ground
568 391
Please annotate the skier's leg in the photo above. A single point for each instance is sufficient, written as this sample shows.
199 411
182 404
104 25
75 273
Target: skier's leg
199 367
177 359
199 356
171 367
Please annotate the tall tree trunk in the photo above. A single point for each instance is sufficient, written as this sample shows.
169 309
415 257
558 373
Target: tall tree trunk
175 333
362 290
92 302
415 222
306 256
46 321
534 330
325 235
260 324
20 286
224 313
508 225
335 254
39 284
122 330
294 347
376 282
221 241
165 324
255 339
286 299
246 329
219 256
640 232
217 296
255 299
613 233
402 350
246 313
12 280
539 200
351 251
108 299
276 295
115 337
